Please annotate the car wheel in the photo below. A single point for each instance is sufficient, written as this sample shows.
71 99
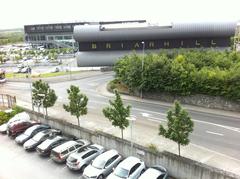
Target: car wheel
83 168
142 171
100 177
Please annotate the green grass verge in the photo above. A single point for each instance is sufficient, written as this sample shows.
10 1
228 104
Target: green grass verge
45 75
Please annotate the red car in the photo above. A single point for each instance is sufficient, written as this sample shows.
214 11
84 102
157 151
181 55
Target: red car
19 128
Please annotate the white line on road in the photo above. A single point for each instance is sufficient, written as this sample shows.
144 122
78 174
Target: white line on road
145 114
195 120
215 133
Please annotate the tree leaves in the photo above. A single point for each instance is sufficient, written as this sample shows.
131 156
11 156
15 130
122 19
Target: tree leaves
183 72
43 95
77 102
117 113
179 125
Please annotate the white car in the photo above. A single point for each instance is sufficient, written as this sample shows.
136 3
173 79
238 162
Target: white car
83 157
60 154
130 168
103 165
155 172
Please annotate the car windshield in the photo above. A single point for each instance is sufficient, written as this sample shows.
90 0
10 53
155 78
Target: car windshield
29 131
99 164
121 172
38 136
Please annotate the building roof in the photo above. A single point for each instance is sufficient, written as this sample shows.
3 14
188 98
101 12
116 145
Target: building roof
145 31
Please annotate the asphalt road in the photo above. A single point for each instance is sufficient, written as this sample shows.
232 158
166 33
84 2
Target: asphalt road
16 163
213 131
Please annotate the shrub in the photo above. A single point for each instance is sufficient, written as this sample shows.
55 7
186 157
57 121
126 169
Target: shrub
183 72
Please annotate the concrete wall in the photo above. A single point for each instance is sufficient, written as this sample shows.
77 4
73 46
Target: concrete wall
214 102
178 167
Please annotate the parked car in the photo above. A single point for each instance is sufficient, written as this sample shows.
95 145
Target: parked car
19 127
80 159
130 168
30 132
103 165
155 172
38 138
44 149
23 116
3 128
61 153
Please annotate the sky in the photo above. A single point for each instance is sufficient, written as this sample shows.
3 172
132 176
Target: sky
17 13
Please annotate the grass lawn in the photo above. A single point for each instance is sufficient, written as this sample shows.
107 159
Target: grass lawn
45 75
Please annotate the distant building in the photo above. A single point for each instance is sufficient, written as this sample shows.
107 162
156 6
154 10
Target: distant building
58 34
51 35
103 44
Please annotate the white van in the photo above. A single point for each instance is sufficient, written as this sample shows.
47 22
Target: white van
61 153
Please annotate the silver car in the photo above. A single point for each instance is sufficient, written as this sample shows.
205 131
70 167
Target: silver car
60 154
83 157
130 168
102 165
155 172
37 139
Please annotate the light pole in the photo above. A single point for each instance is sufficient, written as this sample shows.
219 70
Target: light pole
42 99
131 119
143 48
30 83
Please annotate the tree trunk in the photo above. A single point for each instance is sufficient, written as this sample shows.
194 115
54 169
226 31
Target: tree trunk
122 133
179 149
46 112
78 121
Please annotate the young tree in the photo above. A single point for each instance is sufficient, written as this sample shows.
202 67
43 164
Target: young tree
179 126
77 102
117 113
43 95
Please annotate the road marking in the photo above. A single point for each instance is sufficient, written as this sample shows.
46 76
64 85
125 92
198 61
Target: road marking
145 114
49 160
215 133
195 120
156 119
64 167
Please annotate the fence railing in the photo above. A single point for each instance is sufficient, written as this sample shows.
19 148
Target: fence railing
7 100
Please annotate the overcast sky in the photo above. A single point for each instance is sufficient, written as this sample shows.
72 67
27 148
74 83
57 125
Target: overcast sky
17 13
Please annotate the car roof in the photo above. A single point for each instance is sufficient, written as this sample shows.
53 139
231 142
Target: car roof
64 146
151 173
106 155
129 162
96 146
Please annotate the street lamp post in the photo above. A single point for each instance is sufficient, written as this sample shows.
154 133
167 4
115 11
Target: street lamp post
30 83
131 119
143 48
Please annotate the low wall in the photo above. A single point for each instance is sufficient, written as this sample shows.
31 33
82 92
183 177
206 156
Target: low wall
214 102
178 167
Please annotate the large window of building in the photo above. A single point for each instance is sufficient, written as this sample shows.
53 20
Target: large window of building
68 37
67 27
58 27
59 37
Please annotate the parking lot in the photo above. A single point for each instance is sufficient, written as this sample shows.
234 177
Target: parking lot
16 163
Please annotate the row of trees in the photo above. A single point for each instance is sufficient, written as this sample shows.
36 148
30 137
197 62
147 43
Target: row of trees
183 72
11 37
179 124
